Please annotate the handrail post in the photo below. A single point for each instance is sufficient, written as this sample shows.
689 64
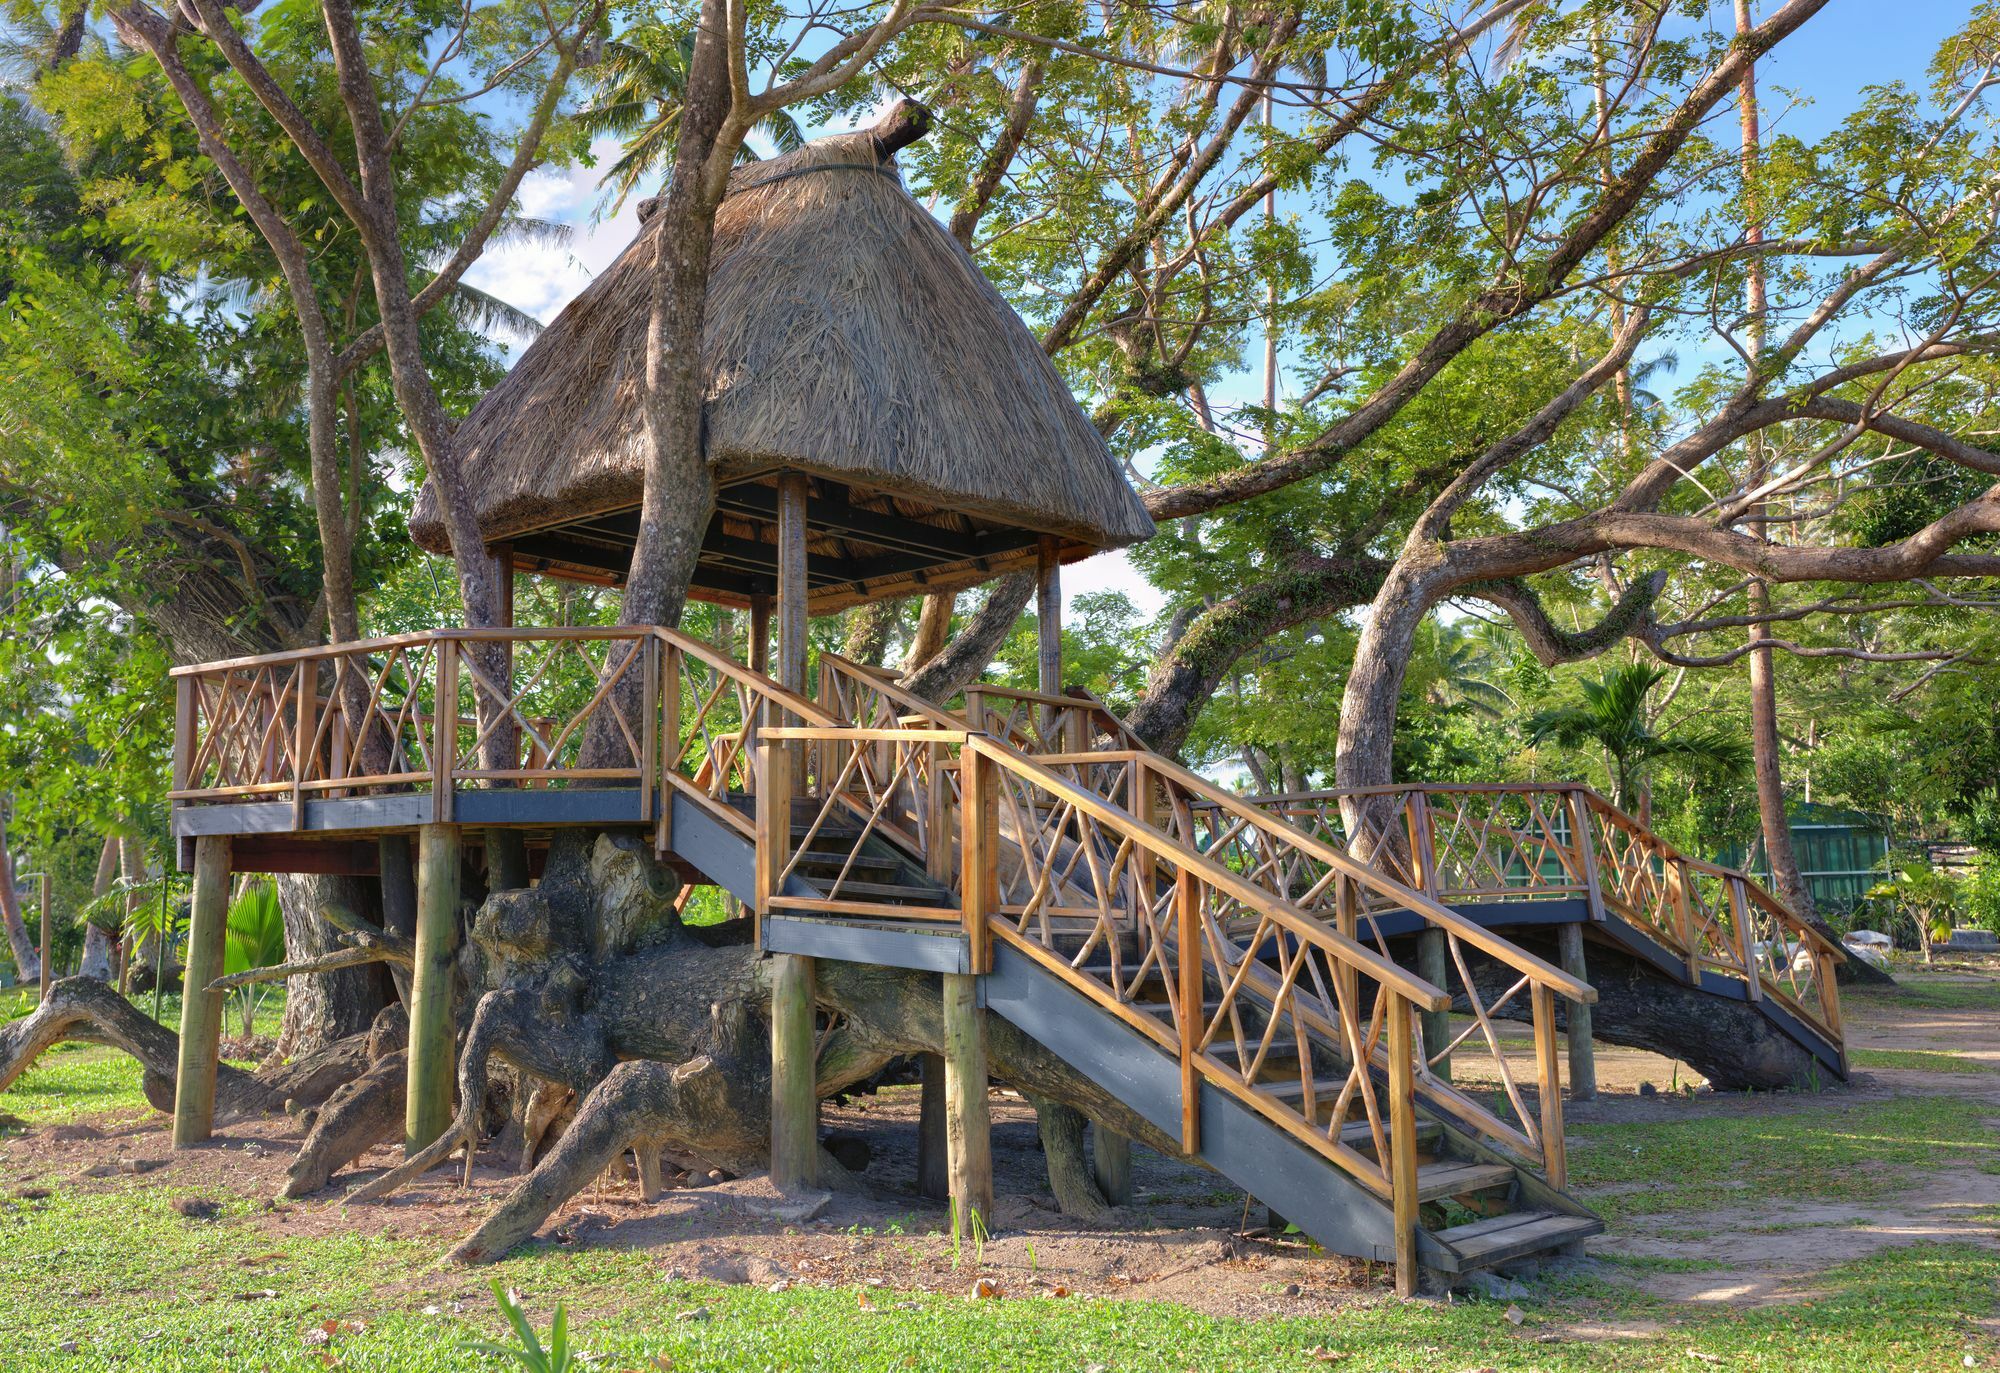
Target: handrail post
302 736
1746 947
1555 1159
774 823
1423 842
1677 884
670 733
979 862
1586 853
444 728
1403 1142
1187 920
649 725
938 844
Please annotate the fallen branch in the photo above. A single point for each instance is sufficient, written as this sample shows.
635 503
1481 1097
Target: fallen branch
339 958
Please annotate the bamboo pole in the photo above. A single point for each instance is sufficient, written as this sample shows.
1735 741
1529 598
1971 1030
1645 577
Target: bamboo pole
433 1062
201 1008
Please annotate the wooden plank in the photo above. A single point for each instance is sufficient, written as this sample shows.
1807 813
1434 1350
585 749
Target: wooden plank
1403 1144
433 1066
1527 1233
836 906
201 1007
968 1126
1456 1177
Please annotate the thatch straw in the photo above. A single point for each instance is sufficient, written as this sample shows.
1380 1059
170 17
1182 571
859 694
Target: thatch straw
848 335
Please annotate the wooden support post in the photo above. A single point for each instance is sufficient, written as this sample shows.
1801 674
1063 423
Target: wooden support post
1403 1142
1190 993
933 1154
1434 967
48 942
433 1060
1586 854
760 634
1549 1071
1582 1051
794 1078
201 1009
1746 944
1048 632
968 1127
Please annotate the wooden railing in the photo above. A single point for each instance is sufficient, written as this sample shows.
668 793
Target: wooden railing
1142 924
1061 877
420 713
1471 844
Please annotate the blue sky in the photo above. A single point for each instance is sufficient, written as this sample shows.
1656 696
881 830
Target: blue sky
1848 46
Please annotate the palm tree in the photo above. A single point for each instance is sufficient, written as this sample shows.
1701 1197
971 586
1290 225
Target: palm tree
1613 716
641 82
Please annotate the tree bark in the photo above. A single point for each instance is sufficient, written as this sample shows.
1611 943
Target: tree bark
27 958
322 1008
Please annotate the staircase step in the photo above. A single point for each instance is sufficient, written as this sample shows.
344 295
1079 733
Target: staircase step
1496 1239
1325 1089
859 862
884 891
1454 1177
1356 1134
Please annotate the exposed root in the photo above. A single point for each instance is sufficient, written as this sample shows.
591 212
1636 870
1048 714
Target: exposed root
361 1114
86 1009
637 1102
1070 1175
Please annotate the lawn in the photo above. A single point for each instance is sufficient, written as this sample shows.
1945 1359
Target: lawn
88 1269
107 1275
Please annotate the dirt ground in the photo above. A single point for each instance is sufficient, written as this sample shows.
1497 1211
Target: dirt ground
1188 1236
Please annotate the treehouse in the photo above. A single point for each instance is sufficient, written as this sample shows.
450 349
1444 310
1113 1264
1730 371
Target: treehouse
1264 985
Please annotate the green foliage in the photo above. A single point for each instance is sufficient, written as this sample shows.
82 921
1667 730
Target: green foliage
254 937
530 1353
1614 717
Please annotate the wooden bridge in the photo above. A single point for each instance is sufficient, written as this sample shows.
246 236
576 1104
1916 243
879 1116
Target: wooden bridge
1313 994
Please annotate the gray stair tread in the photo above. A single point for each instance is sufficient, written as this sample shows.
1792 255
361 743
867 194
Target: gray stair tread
1356 1134
833 857
1324 1088
885 891
1456 1176
1498 1238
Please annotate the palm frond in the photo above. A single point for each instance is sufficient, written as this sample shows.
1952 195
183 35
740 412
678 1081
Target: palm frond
476 309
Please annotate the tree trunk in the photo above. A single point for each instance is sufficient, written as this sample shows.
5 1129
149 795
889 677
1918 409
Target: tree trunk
96 961
1364 753
27 958
322 1008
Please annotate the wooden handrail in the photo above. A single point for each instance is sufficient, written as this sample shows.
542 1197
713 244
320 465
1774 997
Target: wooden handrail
1295 921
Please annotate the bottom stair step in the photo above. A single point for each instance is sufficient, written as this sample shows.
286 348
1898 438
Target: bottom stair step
1500 1238
1455 1177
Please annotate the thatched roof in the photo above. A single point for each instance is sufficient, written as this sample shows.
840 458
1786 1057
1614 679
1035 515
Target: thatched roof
848 336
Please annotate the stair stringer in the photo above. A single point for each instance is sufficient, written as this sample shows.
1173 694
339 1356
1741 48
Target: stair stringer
1333 1208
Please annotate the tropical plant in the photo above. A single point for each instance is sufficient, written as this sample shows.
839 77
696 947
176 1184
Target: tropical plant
254 938
641 82
1926 895
530 1354
1614 716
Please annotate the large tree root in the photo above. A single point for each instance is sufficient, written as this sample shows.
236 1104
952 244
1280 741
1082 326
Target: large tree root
362 1113
83 1008
1070 1175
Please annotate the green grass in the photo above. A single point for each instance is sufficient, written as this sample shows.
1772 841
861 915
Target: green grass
74 1080
1923 994
1922 1060
88 1268
1845 1151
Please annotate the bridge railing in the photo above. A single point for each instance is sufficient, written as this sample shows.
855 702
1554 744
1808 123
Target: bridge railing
1468 844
